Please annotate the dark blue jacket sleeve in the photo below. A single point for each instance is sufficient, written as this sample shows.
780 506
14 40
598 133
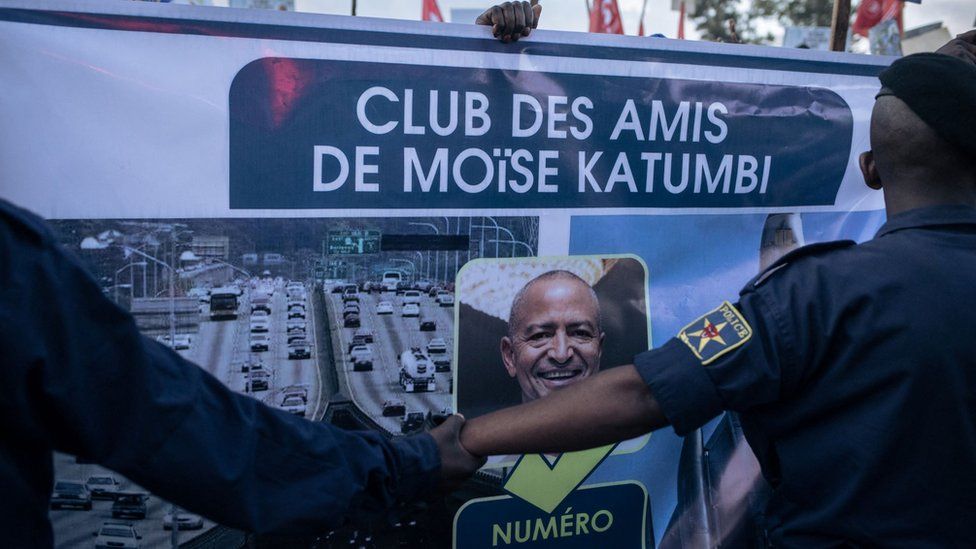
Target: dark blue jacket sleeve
763 368
79 376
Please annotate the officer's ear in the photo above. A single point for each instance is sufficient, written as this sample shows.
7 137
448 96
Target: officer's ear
869 170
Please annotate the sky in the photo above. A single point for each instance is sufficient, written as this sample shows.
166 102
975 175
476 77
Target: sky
957 15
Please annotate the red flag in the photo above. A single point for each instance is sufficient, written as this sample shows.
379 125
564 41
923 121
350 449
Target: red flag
681 21
872 12
431 12
605 17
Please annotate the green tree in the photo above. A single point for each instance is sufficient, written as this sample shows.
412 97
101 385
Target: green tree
711 19
795 13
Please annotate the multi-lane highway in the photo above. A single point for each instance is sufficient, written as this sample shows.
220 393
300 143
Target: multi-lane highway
392 334
220 347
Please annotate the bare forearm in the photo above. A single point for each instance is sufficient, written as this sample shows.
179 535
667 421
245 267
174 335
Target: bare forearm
611 406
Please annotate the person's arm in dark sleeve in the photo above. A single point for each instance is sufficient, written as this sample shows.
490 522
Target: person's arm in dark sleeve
80 379
683 383
611 406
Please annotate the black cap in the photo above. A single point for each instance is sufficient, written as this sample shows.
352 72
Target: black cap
941 90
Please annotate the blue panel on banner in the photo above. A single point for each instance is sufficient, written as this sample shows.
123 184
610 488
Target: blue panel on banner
338 135
612 515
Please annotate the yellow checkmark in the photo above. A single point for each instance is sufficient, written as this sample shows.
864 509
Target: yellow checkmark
546 486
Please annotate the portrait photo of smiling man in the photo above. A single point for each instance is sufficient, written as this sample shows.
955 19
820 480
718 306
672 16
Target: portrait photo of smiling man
555 337
528 327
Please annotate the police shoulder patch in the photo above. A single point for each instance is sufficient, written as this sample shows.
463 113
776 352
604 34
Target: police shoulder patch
716 333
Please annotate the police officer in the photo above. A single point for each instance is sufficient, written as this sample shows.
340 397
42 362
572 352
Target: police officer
852 367
79 378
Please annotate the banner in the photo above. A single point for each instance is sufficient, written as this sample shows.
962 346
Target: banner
351 210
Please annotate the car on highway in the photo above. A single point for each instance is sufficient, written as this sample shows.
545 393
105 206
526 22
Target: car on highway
442 363
362 364
252 365
260 313
436 346
384 308
351 321
260 324
411 296
422 285
411 422
350 309
70 494
130 504
103 486
367 334
296 313
258 380
299 350
301 391
394 408
427 324
113 535
361 351
357 339
295 324
297 338
182 341
410 310
260 342
445 299
183 521
260 301
293 405
296 303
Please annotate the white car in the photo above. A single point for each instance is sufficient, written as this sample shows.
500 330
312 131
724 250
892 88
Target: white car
436 346
301 391
260 313
445 299
260 342
184 521
295 324
361 353
260 324
182 341
293 404
411 296
116 534
102 486
384 308
410 309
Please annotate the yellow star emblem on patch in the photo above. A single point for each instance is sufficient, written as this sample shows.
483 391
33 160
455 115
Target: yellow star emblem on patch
724 325
710 332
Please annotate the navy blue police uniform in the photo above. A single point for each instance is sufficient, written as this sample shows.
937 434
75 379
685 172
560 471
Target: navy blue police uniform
78 378
853 370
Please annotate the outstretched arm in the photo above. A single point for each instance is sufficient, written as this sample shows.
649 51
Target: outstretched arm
611 406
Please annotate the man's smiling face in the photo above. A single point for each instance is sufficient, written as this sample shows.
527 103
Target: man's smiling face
556 338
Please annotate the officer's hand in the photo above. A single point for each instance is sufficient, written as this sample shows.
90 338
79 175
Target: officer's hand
511 20
962 46
457 464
